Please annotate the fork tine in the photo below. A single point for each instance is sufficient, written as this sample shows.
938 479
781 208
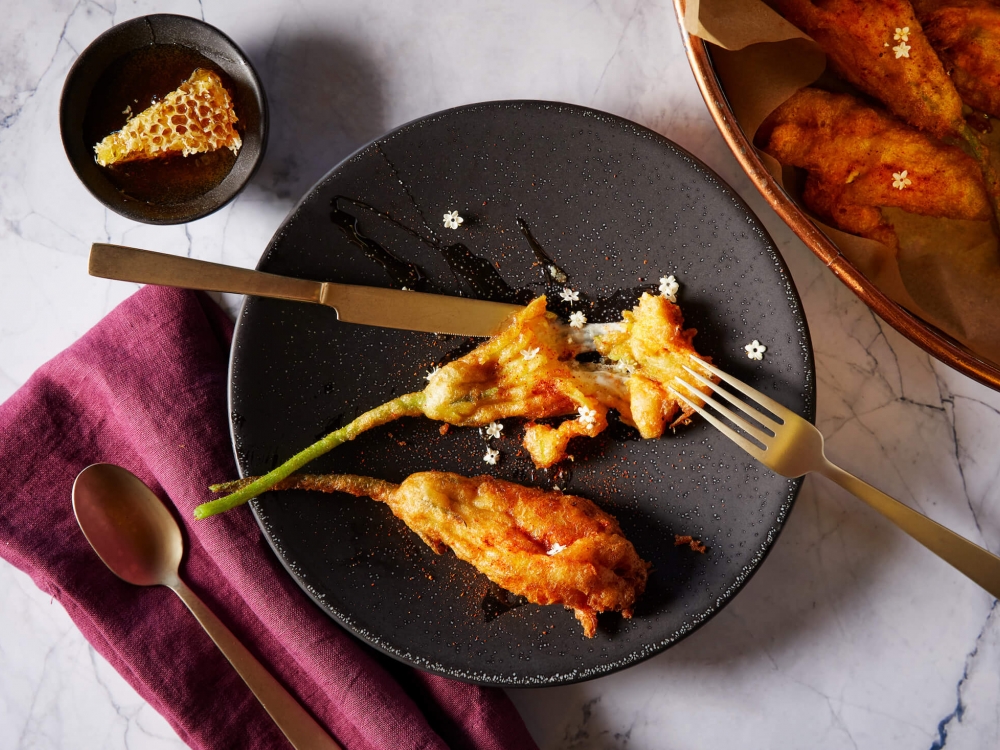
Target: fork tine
752 448
761 436
783 412
765 420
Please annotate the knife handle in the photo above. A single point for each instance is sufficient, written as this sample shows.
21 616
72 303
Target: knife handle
146 267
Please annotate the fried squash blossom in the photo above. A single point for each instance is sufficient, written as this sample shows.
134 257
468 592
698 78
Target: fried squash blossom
529 370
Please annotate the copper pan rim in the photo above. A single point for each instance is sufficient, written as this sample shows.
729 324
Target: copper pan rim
935 342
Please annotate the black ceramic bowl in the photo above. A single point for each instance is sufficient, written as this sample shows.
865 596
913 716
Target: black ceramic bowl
137 57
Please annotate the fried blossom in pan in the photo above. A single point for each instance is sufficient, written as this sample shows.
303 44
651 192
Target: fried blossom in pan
529 370
966 36
864 45
859 159
881 48
548 547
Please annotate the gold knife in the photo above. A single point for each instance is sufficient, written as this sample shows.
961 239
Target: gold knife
373 306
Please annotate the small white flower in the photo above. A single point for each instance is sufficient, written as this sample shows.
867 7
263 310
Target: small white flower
902 50
569 295
493 429
491 456
755 350
669 287
900 180
587 416
530 353
431 373
452 220
577 319
902 35
555 549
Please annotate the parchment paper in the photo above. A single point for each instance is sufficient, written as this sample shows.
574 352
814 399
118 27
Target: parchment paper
947 272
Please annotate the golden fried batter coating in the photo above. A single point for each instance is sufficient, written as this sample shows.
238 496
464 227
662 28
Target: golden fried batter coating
529 370
966 36
856 157
861 40
548 547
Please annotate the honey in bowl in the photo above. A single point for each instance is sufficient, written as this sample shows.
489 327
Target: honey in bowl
132 84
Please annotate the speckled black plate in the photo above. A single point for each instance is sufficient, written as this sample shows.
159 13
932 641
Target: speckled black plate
616 206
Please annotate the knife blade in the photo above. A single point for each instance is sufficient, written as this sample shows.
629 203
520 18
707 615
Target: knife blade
373 306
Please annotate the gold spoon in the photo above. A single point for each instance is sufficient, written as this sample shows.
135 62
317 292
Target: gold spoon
137 538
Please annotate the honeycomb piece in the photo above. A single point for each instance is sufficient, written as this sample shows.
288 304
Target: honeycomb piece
195 118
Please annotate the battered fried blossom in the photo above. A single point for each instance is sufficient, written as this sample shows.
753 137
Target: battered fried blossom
548 547
924 77
859 159
966 36
911 82
529 370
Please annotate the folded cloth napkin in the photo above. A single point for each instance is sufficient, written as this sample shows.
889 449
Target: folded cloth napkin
146 389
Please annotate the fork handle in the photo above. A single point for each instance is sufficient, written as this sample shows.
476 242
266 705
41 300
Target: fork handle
981 565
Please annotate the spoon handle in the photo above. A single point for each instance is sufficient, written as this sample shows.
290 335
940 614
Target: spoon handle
302 731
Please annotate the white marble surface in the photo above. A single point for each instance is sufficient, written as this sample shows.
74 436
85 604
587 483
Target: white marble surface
850 636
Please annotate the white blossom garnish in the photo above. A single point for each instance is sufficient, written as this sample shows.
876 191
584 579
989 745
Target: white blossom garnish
755 350
492 456
587 416
577 319
555 549
902 35
493 429
556 274
431 373
669 287
452 220
530 353
900 180
569 295
902 50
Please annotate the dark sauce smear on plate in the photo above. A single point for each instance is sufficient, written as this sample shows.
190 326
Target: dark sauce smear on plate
477 273
402 273
550 270
131 84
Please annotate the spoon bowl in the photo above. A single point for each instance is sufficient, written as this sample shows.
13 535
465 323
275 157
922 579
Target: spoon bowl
127 525
139 540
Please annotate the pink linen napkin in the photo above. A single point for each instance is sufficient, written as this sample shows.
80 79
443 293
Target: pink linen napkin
146 389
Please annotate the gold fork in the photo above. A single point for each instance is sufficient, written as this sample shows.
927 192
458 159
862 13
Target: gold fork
792 447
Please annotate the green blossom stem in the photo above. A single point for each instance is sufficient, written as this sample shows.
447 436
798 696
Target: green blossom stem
408 405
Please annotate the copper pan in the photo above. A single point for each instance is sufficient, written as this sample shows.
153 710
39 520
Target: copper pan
921 333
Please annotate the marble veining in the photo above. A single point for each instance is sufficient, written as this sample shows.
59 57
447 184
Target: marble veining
850 635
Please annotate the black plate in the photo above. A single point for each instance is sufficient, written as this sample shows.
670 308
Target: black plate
616 206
